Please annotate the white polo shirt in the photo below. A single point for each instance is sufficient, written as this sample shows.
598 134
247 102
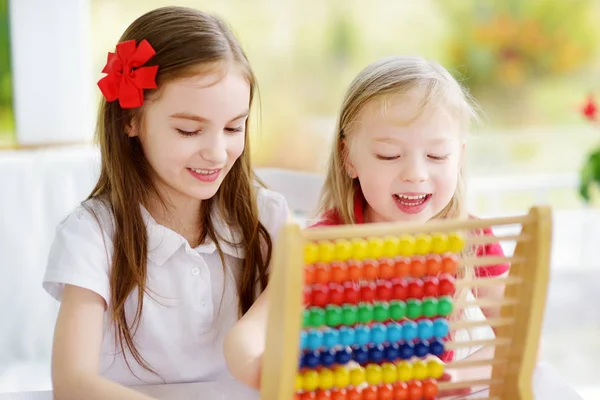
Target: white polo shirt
192 301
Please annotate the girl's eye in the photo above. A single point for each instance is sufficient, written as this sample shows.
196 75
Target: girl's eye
387 158
187 133
438 158
235 130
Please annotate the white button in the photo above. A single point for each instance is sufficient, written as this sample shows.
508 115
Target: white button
195 271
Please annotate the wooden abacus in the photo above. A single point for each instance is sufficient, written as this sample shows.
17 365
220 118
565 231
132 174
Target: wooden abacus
362 311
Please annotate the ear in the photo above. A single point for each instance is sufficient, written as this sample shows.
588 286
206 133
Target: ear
348 165
132 128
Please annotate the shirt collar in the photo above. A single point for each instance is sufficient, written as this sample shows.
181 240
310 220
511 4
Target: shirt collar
164 242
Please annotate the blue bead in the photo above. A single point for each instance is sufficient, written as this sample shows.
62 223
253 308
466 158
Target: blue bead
440 328
360 355
343 356
394 332
331 338
425 329
378 334
347 336
410 330
327 358
303 340
422 348
376 354
311 359
315 340
392 352
436 347
363 335
407 350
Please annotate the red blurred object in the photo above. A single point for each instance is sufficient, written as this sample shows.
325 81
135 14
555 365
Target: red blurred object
590 109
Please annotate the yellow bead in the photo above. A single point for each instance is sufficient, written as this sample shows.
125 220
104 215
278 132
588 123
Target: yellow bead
311 253
299 382
406 245
326 379
359 249
439 243
456 243
436 369
389 373
326 251
405 372
357 376
422 244
375 248
310 380
343 250
374 375
341 377
420 370
390 246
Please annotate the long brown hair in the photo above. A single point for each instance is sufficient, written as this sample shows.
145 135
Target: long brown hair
186 42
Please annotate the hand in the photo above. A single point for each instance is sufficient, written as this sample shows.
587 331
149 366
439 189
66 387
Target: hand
452 392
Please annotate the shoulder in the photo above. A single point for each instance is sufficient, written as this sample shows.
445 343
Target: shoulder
493 249
273 210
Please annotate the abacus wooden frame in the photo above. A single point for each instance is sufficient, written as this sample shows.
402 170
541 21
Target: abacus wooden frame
527 283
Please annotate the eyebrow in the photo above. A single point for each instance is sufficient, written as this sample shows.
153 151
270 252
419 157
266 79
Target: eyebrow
391 140
194 117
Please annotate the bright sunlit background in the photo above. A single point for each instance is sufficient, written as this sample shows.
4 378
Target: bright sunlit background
532 65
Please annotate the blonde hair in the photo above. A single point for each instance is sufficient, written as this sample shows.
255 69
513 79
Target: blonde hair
392 77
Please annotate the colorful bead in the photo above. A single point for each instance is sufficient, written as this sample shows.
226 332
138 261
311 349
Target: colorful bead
406 245
385 392
336 294
433 264
415 289
414 308
311 253
421 348
299 384
402 267
430 307
347 336
333 315
436 369
373 374
365 313
310 359
399 289
339 272
320 295
381 312
430 388
349 314
370 269
327 357
362 335
422 244
326 379
436 347
420 370
322 273
425 329
341 377
354 270
388 373
378 334
370 393
431 286
376 354
360 355
308 396
351 292
303 340
307 296
400 391
445 306
338 394
415 390
440 328
456 243
309 274
343 356
317 317
407 351
357 376
439 243
449 264
387 267
326 251
322 395
315 340
310 380
446 286
390 246
417 266
343 249
384 291
375 247
410 330
359 249
394 331
306 320
368 292
392 352
404 370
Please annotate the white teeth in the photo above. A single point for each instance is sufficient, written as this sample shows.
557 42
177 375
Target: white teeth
405 197
204 171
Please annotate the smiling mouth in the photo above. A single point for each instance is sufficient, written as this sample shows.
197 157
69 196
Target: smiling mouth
205 171
412 200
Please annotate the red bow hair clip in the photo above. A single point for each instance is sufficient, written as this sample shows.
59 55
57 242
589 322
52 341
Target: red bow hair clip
126 81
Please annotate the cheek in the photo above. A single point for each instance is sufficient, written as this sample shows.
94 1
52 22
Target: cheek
235 147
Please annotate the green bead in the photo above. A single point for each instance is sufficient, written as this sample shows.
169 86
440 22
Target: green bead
398 310
306 319
349 314
365 313
413 309
333 315
445 306
381 312
430 307
317 317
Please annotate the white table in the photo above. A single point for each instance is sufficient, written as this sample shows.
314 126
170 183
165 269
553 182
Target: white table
548 385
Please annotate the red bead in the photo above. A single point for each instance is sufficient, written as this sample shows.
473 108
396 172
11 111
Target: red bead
351 292
336 294
433 264
323 395
430 388
339 272
354 270
415 289
320 295
338 394
400 391
446 286
417 267
449 264
430 286
386 392
370 270
386 268
322 273
369 393
384 291
402 267
367 292
354 394
308 396
309 274
415 390
399 289
307 296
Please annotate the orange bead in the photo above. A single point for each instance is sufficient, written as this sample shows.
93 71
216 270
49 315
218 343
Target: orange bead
417 267
338 394
353 394
386 392
400 391
323 395
430 388
449 264
386 268
369 393
297 396
401 267
309 396
433 265
415 390
322 273
370 270
339 272
354 270
309 274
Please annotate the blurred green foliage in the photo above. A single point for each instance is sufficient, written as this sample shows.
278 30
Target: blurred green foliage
7 133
